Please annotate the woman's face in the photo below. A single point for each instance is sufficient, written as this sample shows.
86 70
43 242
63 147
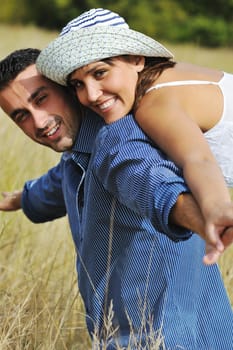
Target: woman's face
108 87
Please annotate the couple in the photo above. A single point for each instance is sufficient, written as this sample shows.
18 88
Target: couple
129 209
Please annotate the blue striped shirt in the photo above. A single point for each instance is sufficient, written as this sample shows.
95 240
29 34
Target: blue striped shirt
118 190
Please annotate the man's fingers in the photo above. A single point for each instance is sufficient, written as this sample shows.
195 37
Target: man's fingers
227 237
213 237
11 201
212 255
213 252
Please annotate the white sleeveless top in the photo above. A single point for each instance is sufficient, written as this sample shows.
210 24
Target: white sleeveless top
220 137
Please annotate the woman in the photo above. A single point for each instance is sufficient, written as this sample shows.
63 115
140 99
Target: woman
107 64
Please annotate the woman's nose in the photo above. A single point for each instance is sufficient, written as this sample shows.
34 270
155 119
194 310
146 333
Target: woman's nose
93 92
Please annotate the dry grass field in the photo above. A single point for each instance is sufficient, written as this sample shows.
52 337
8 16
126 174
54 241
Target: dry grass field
40 308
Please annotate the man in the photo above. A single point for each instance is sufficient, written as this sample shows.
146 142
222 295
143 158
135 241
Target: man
126 257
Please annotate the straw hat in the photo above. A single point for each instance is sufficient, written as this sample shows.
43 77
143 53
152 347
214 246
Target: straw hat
91 37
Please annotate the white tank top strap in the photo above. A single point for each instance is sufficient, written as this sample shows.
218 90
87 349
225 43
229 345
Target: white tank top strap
181 83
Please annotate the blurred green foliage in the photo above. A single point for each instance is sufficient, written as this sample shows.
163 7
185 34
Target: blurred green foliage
203 22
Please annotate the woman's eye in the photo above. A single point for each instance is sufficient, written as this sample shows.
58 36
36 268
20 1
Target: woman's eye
100 73
78 84
75 84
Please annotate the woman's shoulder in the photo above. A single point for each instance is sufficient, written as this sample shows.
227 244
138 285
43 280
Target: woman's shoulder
189 71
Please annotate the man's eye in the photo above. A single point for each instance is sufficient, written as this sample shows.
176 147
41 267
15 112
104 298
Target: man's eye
40 99
20 118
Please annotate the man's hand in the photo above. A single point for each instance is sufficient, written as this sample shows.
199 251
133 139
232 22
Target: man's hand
11 201
218 234
212 254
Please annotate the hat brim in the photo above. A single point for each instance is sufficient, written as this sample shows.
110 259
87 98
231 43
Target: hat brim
87 45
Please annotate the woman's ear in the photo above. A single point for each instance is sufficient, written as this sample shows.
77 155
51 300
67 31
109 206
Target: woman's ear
140 63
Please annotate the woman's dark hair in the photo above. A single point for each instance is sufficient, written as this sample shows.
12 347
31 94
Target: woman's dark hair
154 66
15 63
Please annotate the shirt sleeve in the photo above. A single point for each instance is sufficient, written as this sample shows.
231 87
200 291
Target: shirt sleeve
42 198
142 178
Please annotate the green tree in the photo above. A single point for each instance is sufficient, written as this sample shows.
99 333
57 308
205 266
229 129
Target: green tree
205 22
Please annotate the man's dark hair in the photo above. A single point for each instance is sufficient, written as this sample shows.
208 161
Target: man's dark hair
15 63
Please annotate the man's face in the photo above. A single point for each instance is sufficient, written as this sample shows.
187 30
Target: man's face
45 111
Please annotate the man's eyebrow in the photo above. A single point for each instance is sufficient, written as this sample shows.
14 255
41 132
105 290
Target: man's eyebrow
36 93
30 99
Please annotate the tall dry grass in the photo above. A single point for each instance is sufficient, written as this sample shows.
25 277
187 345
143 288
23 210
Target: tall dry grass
40 308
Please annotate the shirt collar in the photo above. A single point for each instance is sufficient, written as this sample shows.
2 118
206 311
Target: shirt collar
85 139
90 126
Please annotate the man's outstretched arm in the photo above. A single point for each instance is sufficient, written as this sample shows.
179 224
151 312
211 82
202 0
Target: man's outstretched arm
186 213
